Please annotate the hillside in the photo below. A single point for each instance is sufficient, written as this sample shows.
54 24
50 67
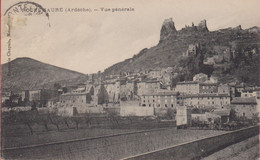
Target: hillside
172 44
26 73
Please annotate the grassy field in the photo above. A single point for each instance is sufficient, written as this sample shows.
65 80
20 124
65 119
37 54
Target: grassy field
245 150
106 148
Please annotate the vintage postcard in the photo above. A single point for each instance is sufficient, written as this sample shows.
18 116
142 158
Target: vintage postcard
130 79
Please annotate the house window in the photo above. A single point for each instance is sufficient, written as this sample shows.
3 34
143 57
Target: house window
166 105
171 105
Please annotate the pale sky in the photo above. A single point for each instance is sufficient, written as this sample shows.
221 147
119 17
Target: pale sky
89 42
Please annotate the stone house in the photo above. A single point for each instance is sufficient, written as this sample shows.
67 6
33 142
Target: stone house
209 61
183 116
208 88
223 89
244 107
77 100
193 49
39 95
201 77
248 92
113 90
188 87
118 90
150 86
165 99
212 100
128 90
155 73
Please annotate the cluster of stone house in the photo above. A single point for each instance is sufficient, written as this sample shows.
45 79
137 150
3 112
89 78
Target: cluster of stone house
204 93
80 97
149 89
188 94
201 92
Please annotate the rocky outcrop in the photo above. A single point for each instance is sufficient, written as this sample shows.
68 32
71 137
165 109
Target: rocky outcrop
202 26
238 28
253 30
167 29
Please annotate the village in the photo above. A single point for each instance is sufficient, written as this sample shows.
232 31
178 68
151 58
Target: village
147 94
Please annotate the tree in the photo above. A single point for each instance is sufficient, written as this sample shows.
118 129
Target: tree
64 89
232 115
102 95
67 121
55 120
88 119
77 120
56 86
255 118
28 118
43 119
113 118
34 105
171 113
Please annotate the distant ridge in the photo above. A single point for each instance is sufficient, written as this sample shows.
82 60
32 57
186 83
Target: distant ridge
27 73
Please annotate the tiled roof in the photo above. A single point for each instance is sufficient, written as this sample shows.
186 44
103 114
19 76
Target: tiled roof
222 112
200 74
209 84
251 89
248 100
188 82
166 93
74 94
204 95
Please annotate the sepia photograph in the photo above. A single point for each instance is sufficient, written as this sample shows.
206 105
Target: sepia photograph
130 80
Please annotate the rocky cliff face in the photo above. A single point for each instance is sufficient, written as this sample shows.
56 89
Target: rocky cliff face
169 51
167 29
